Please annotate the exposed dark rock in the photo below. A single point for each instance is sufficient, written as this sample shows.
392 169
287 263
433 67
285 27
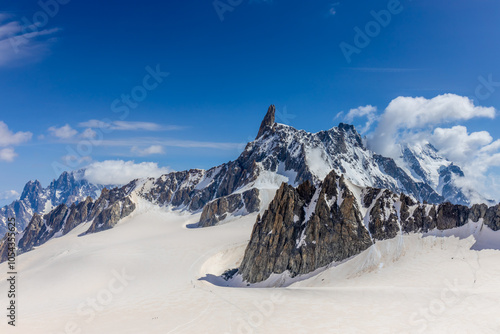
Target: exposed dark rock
383 223
477 211
305 229
450 216
219 209
268 121
309 227
111 206
492 217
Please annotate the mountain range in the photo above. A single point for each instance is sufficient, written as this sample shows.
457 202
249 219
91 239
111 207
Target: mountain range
280 156
68 188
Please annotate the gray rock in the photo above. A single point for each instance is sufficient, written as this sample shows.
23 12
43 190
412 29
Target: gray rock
286 239
218 210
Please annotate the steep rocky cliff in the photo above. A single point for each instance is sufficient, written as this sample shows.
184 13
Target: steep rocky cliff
308 227
305 228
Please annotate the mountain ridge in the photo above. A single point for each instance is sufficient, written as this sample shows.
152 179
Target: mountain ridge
68 188
280 153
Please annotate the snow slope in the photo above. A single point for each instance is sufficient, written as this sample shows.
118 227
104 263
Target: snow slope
389 288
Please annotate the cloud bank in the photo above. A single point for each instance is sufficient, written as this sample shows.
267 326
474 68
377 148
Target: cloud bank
8 139
64 132
404 115
119 172
419 120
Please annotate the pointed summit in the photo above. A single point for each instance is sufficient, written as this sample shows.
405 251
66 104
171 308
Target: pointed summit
268 121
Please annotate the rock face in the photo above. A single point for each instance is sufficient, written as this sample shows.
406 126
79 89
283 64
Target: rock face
305 228
218 210
111 206
308 227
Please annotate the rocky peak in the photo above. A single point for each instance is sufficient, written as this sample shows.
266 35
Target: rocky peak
32 187
347 127
64 181
305 228
268 121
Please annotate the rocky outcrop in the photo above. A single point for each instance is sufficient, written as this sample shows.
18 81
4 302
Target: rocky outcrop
305 228
492 217
309 227
383 220
107 216
235 204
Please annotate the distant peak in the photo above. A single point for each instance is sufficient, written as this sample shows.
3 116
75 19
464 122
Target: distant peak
268 121
347 127
30 188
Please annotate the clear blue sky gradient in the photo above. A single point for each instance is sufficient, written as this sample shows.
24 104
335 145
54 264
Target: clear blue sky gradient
224 74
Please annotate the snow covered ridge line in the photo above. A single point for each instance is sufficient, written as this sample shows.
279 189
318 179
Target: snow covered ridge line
279 154
310 227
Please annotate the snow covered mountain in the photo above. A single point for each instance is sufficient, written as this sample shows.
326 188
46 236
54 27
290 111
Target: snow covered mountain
424 164
68 188
279 154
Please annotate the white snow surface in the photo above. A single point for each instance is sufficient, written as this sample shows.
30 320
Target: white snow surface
430 284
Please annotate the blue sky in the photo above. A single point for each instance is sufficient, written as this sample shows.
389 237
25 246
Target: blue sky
225 66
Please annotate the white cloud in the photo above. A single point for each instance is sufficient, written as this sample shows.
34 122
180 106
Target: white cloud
20 42
9 194
89 133
458 145
9 138
153 149
419 120
476 153
64 132
7 154
120 172
367 111
418 113
171 143
127 126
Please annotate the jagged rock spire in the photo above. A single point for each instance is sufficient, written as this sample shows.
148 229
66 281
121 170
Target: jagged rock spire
268 121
